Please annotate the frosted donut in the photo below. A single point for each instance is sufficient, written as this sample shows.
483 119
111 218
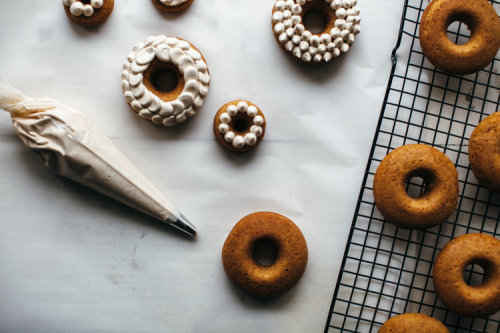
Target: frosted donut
342 26
158 55
454 292
88 12
277 231
239 126
413 323
172 6
482 47
484 152
441 186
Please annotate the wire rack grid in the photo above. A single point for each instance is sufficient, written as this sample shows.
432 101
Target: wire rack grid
387 270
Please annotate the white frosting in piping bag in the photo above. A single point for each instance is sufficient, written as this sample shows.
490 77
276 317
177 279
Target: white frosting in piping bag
78 7
190 64
288 26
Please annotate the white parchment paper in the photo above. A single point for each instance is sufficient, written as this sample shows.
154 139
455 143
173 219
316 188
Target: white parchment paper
74 260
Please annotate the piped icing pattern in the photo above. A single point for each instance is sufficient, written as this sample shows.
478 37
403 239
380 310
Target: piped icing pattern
78 7
190 64
288 26
173 3
239 141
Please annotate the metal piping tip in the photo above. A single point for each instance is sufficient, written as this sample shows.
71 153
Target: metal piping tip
183 224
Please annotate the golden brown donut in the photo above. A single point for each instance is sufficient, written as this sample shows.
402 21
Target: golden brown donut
441 186
470 301
246 272
172 6
88 12
239 126
482 47
484 152
413 323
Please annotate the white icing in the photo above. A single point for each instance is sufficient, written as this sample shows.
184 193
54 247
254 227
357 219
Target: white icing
173 3
78 7
256 129
190 64
287 25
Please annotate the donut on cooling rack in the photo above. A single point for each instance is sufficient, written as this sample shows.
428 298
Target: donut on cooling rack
239 126
484 152
413 323
441 186
88 12
458 296
143 73
342 26
172 6
278 232
483 22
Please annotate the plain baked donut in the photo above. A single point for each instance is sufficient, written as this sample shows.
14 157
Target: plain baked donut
342 26
482 47
441 186
471 301
484 152
88 12
145 65
172 6
246 272
413 323
239 126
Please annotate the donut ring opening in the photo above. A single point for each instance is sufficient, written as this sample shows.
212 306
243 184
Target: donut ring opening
471 275
157 81
265 250
420 183
318 7
240 123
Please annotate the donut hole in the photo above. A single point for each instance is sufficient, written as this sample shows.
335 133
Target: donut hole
265 251
419 183
240 123
314 21
477 272
458 32
317 17
164 81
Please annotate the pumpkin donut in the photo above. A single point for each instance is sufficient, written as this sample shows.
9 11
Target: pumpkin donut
342 26
482 47
277 231
239 126
172 6
88 12
441 186
413 323
458 296
145 65
484 152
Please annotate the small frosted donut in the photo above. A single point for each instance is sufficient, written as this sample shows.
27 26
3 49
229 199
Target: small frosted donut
441 186
272 229
145 67
88 12
239 126
172 6
413 323
342 26
484 152
483 22
458 296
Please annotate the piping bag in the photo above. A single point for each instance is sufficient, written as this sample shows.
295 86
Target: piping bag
69 144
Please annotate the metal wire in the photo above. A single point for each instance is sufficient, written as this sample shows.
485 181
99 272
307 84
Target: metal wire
387 270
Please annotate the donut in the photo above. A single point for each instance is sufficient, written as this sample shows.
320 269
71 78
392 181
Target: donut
265 228
88 12
441 186
484 152
172 6
482 47
450 263
145 65
239 126
342 26
413 323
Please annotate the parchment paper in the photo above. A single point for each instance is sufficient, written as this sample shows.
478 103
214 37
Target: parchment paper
72 260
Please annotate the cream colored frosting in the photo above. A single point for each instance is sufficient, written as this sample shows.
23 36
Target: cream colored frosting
256 130
288 26
173 3
190 64
78 8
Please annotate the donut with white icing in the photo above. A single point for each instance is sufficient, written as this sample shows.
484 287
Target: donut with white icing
342 25
172 6
154 57
239 126
88 12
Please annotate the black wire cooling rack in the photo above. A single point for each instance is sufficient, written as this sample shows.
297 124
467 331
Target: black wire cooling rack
387 270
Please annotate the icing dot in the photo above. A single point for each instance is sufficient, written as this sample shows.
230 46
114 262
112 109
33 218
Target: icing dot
231 109
223 128
288 23
336 52
313 50
306 56
296 9
250 139
88 10
229 136
325 39
257 130
296 20
287 14
242 107
344 48
225 118
344 34
303 45
289 46
341 13
306 35
340 23
283 38
280 5
252 111
279 28
288 4
76 8
296 39
258 120
278 16
238 142
96 3
356 29
335 33
301 2
321 48
350 39
314 40
289 32
336 4
297 52
317 58
327 56
68 3
299 29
